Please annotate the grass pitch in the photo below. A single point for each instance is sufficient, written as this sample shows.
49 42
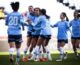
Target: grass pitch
4 60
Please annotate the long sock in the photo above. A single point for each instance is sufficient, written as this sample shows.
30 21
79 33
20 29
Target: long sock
18 55
48 53
33 55
25 51
45 55
40 52
37 49
61 50
36 52
11 51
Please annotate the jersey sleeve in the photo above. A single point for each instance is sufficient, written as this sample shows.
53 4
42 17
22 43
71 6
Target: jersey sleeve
43 22
22 22
6 20
6 13
34 23
55 25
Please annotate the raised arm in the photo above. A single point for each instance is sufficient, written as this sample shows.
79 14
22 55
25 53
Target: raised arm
22 21
55 25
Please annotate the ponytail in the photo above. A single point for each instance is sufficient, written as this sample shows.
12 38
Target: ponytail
67 19
48 17
64 14
43 12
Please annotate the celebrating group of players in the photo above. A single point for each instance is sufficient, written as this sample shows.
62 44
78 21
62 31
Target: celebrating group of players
39 33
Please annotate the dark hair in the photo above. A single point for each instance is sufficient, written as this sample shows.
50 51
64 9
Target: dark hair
12 5
76 11
30 6
48 17
37 8
15 6
64 14
43 12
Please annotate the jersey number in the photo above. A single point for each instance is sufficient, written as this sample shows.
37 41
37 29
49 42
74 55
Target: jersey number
13 20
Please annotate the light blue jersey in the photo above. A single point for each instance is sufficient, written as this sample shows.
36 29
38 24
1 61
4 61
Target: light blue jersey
63 27
14 22
31 17
75 24
45 25
37 25
41 26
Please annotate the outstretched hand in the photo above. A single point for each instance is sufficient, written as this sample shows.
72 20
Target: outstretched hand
29 21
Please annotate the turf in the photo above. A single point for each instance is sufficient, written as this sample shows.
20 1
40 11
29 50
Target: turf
4 60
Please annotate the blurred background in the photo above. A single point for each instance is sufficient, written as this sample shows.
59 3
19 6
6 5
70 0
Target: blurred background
53 7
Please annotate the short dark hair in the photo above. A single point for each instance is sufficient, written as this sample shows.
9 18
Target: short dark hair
15 6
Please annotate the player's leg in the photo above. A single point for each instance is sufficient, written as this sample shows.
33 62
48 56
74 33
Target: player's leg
39 43
28 42
77 46
47 49
45 52
27 46
79 43
33 44
11 51
12 47
18 41
73 41
61 45
41 51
